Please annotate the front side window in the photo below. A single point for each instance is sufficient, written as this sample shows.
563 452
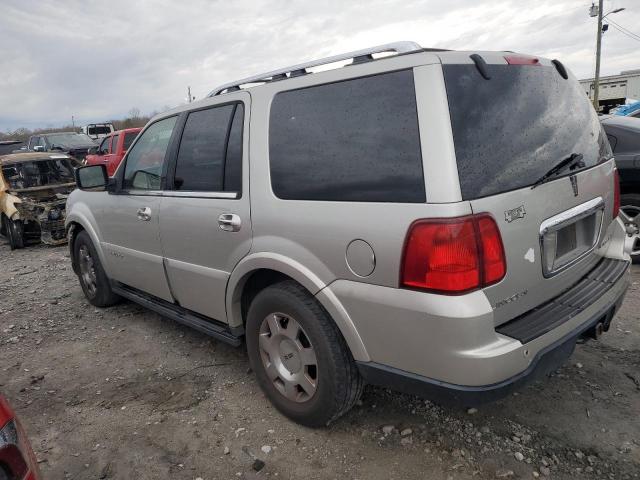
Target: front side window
104 146
210 154
143 169
355 140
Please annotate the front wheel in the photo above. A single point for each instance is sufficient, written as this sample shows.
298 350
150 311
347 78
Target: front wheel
93 279
630 215
300 359
15 232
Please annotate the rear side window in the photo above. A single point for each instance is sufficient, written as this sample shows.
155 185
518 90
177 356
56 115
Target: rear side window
203 154
355 140
129 137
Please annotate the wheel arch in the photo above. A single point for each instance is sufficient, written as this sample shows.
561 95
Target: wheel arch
258 271
76 223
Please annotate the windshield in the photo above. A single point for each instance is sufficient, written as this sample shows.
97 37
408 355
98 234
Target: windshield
512 129
38 173
70 140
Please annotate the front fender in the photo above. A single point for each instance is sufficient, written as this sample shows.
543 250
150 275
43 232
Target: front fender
80 214
302 275
9 206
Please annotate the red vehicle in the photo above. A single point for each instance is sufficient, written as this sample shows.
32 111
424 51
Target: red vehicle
112 149
17 461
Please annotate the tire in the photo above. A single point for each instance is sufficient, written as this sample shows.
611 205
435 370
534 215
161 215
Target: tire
93 279
630 205
15 232
334 379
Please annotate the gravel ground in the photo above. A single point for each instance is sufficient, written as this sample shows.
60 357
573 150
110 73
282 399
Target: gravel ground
123 393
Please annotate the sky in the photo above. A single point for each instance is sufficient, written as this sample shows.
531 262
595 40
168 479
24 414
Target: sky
96 60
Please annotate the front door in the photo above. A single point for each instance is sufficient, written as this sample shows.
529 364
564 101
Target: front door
205 222
110 156
129 224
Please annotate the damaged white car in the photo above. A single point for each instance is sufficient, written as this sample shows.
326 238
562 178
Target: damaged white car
33 195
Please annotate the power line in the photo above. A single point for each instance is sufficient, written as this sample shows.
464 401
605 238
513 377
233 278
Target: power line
630 35
623 29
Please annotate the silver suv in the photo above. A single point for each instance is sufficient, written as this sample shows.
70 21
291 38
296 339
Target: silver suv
438 222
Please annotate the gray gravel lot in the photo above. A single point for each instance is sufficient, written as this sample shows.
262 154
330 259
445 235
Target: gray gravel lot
123 393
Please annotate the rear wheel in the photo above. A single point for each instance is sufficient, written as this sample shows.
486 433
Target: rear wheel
300 359
630 215
93 279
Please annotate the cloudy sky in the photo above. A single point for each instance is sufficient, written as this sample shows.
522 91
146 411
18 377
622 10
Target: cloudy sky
97 60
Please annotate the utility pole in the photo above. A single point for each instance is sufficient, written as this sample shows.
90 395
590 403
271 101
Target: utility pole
596 80
73 122
189 94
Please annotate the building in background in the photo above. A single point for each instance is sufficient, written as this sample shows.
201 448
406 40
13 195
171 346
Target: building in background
615 89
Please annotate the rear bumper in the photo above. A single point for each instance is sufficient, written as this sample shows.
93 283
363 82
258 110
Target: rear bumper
546 360
433 344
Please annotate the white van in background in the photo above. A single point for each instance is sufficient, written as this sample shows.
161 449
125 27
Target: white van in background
98 130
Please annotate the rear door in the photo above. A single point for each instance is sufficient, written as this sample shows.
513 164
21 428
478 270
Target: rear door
509 130
205 218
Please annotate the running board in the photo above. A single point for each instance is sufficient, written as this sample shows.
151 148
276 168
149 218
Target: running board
198 322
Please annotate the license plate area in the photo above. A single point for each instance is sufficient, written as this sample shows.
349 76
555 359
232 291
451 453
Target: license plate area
569 236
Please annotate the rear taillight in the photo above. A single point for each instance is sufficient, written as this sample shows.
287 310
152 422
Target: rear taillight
616 193
16 457
453 256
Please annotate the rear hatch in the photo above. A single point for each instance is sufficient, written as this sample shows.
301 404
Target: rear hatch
509 130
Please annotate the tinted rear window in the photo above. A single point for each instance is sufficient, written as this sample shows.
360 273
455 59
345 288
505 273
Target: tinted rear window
510 130
355 140
129 137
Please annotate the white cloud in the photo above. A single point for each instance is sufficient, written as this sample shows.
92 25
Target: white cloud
97 60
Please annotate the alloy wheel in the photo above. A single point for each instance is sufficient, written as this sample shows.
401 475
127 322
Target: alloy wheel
288 357
87 270
630 216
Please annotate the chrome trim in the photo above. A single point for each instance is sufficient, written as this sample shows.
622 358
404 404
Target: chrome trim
180 194
184 194
570 216
565 218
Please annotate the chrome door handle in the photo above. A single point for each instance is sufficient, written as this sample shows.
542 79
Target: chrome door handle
144 214
229 222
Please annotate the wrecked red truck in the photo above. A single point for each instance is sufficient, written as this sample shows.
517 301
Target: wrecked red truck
112 149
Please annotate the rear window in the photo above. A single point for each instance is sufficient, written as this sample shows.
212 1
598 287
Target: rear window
102 130
355 140
510 130
129 137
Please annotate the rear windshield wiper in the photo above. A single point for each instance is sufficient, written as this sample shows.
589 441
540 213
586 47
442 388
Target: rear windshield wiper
573 161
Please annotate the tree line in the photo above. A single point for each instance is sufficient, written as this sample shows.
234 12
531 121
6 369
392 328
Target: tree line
133 119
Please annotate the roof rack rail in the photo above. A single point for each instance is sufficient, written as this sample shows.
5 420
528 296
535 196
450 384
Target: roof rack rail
359 56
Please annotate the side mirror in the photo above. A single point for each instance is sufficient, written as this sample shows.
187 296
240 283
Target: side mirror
38 148
92 177
93 150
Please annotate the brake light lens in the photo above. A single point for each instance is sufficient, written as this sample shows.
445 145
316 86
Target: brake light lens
16 457
616 193
453 256
521 60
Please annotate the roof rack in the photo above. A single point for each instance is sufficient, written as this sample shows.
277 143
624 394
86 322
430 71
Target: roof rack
359 56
